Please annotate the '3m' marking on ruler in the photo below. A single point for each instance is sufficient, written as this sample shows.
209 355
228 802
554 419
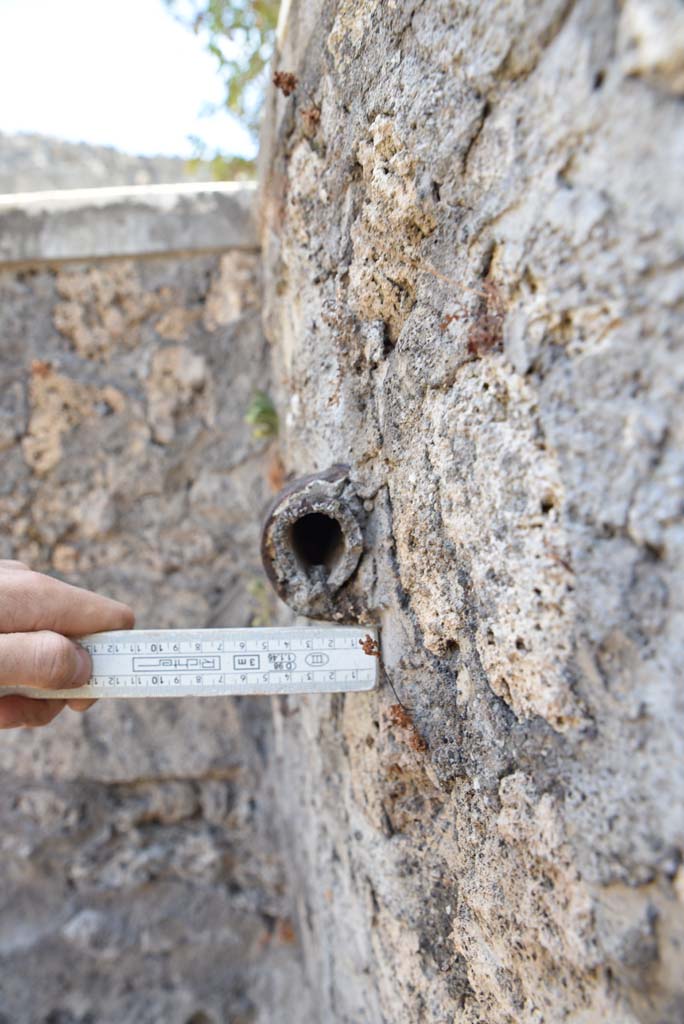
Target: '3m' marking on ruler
216 662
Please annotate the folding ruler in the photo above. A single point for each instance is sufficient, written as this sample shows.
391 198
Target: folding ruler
216 662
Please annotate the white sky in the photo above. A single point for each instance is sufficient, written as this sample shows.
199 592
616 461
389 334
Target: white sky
111 72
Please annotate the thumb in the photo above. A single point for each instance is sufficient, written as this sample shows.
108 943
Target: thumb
42 659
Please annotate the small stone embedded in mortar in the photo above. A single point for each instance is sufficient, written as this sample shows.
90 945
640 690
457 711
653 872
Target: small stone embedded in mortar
311 544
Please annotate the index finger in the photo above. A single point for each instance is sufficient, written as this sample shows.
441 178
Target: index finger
30 601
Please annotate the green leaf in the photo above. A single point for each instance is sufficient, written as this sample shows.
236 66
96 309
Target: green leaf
261 415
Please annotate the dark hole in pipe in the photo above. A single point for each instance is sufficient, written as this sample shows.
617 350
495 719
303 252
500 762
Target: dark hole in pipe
317 540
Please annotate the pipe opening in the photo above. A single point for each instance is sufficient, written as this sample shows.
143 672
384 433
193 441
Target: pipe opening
317 539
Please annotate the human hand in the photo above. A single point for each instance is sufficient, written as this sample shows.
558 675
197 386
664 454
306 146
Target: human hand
37 615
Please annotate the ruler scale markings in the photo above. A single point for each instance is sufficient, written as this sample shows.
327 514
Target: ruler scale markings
175 663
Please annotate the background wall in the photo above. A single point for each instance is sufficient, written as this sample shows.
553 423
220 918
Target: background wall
473 249
140 877
30 162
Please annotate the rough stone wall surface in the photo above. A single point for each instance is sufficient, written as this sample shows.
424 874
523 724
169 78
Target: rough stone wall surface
473 245
140 878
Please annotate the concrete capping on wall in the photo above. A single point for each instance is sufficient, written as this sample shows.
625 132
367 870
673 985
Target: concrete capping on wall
96 223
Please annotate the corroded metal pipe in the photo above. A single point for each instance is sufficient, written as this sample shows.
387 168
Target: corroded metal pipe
312 541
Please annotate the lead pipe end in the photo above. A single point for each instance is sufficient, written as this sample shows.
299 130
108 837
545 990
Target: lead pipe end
312 541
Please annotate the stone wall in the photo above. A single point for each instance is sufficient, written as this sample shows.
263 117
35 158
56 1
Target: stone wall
139 872
473 248
30 162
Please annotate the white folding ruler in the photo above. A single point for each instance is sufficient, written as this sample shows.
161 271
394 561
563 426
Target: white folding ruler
215 662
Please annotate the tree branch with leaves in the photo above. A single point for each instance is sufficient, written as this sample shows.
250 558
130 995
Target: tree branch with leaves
240 34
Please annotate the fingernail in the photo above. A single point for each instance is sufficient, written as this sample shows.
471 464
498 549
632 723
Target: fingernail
85 668
80 705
